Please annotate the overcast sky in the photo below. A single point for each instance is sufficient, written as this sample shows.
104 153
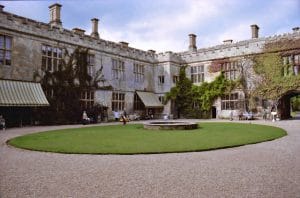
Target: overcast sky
164 25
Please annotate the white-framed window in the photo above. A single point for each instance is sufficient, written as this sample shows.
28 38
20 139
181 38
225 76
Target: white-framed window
175 79
138 71
229 70
161 99
87 99
5 49
49 93
91 64
118 69
297 59
161 80
289 65
118 101
51 58
197 74
230 101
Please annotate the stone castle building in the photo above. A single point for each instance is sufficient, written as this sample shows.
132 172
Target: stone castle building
139 79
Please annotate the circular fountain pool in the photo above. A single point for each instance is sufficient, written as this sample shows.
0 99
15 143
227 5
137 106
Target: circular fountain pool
170 125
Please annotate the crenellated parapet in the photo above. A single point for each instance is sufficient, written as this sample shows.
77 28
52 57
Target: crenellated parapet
77 36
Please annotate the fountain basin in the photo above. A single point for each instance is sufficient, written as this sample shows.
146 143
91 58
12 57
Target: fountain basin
170 125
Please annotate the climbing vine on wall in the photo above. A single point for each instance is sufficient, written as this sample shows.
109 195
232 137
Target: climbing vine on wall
196 101
277 78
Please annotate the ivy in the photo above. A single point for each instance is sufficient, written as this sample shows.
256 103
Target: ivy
205 94
274 82
196 101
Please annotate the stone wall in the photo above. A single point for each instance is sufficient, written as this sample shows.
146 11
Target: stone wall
29 35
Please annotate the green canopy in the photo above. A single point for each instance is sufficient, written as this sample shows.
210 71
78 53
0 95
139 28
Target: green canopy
149 99
18 93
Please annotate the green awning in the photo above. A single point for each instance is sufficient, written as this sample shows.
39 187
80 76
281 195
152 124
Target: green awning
149 99
18 93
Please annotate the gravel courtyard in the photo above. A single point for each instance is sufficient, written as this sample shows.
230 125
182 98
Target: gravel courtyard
269 169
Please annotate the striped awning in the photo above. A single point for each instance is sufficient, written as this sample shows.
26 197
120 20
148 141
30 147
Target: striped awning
18 93
149 99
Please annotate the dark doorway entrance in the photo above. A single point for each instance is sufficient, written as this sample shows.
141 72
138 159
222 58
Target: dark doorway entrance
213 112
285 106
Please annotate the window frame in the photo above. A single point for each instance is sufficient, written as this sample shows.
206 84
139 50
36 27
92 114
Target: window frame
197 74
139 72
118 69
5 50
118 101
50 61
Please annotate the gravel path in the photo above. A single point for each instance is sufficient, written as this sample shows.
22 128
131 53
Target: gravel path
269 169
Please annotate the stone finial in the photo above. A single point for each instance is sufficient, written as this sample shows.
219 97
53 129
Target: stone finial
55 15
95 33
254 31
1 8
192 46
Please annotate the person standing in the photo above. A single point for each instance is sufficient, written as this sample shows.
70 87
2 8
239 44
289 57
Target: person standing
123 119
2 122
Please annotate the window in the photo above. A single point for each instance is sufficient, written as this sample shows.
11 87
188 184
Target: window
230 70
161 80
161 99
297 59
118 101
230 102
175 79
138 71
197 74
138 104
49 93
118 69
91 64
291 65
296 64
51 58
87 99
5 50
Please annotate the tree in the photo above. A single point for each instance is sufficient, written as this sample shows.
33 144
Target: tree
181 94
64 86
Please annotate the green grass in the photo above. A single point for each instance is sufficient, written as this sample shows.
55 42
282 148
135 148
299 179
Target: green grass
134 139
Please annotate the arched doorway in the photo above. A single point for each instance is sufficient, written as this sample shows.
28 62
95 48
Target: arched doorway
284 106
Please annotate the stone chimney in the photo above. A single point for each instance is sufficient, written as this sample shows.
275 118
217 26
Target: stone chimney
124 44
55 15
296 29
1 8
228 41
95 33
192 46
254 31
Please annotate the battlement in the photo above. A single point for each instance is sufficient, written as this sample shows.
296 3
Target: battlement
73 37
54 31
